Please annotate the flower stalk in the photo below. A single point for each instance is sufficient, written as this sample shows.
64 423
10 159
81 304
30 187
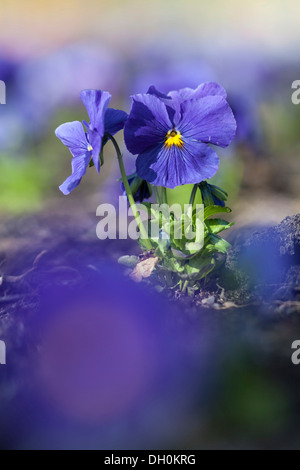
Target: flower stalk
157 195
193 195
164 195
142 229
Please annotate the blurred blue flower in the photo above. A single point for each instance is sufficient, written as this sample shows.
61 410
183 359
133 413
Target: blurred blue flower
172 76
12 136
108 353
248 79
52 82
171 62
8 69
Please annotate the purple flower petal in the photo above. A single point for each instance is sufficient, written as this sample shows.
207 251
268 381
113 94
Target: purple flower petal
96 143
114 120
175 98
205 89
209 120
173 106
148 123
172 167
153 91
96 103
73 136
79 167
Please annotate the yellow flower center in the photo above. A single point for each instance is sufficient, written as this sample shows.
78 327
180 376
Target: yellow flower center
174 138
90 148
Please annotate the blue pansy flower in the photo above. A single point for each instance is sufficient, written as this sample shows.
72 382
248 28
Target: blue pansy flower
170 134
86 145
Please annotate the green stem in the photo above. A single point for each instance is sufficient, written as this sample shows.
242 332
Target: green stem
164 195
157 195
130 197
193 194
201 198
185 286
101 157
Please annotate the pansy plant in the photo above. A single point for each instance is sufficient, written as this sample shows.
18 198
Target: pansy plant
174 137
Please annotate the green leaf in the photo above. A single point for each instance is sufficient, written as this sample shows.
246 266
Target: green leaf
212 210
218 225
180 255
170 264
194 247
162 246
217 244
207 197
143 244
197 269
219 192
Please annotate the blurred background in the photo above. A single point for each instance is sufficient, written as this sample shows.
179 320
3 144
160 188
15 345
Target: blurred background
49 52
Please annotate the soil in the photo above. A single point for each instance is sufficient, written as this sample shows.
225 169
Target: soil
263 269
252 311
